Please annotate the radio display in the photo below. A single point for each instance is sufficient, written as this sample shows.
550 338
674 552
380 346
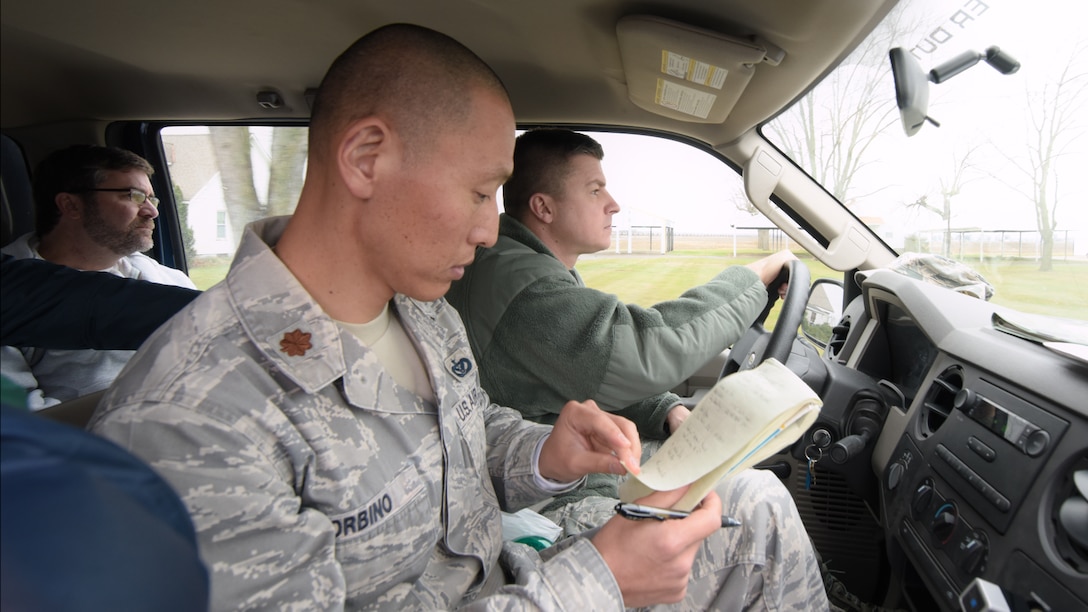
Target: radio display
990 416
1014 429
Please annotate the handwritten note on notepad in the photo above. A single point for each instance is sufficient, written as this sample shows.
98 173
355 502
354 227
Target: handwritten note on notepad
745 418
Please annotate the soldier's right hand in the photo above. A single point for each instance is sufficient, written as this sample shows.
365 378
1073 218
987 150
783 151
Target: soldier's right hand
586 439
650 559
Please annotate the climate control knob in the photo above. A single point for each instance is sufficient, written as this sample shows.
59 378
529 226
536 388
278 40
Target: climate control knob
895 475
944 524
919 503
974 550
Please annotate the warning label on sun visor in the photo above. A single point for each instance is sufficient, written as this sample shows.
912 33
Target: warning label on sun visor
701 73
687 100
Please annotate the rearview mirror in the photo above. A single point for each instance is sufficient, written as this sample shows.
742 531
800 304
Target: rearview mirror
911 89
912 83
823 311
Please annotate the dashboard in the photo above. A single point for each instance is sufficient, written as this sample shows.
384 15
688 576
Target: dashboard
981 438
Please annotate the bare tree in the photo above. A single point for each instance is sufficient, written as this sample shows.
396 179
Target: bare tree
829 130
740 201
287 162
1055 125
286 168
950 188
232 152
1053 130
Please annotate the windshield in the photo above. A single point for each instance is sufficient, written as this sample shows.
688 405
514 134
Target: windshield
1001 183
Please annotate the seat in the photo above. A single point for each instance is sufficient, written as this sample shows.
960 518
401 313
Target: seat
89 526
16 201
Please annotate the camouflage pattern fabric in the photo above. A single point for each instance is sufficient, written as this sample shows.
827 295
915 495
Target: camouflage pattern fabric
313 480
316 483
941 271
765 564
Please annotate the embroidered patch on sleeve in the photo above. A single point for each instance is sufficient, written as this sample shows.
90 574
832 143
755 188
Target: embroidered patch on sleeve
460 362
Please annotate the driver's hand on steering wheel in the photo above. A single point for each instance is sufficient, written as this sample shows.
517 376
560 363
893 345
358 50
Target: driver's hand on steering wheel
770 266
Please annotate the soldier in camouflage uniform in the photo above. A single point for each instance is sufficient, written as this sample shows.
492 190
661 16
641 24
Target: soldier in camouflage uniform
320 476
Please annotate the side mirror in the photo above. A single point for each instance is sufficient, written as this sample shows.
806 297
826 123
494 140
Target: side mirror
823 311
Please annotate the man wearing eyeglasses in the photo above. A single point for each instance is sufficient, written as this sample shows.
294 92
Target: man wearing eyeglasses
95 210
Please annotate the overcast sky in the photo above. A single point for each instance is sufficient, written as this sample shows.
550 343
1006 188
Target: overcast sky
977 107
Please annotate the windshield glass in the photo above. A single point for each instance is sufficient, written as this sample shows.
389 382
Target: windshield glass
1000 185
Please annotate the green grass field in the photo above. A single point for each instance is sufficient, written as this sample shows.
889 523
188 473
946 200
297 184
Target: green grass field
206 274
648 279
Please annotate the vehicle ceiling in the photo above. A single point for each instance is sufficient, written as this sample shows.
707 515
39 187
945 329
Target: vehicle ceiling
72 60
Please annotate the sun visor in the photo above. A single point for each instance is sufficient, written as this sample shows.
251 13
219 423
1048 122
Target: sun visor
687 73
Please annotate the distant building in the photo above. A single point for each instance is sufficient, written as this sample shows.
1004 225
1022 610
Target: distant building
638 230
194 169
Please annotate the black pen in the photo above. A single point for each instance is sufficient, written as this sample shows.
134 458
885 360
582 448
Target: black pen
638 512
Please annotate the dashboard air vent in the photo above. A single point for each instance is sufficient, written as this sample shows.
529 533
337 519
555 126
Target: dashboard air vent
938 401
1071 517
839 334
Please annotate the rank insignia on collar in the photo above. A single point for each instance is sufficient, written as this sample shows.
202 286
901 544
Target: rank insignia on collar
296 343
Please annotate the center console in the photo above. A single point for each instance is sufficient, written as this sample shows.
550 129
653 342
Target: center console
962 492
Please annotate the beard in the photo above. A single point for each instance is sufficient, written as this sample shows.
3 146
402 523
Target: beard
132 239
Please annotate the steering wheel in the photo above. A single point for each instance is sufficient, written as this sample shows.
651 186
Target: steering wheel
757 344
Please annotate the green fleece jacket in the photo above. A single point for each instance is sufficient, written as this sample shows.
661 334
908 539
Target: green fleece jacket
541 337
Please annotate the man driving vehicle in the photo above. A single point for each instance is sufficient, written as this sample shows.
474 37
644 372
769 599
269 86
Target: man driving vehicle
541 336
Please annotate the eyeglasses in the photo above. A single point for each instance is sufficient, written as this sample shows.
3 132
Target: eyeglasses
135 195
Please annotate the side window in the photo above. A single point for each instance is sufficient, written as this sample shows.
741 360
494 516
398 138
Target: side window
225 177
683 213
684 218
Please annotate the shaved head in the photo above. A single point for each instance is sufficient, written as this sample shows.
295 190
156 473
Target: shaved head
411 137
416 79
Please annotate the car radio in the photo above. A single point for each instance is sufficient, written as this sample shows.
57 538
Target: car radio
955 484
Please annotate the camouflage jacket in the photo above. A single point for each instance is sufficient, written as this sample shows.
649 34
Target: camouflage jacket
314 480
